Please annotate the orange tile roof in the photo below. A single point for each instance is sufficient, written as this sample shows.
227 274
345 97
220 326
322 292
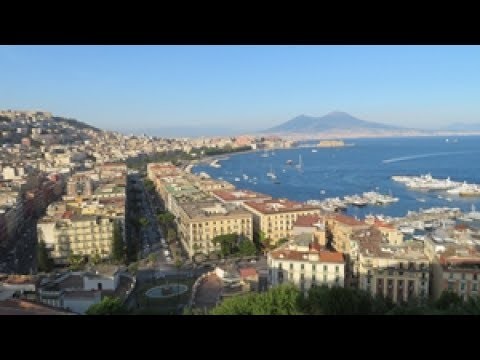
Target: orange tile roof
379 223
348 220
308 220
246 272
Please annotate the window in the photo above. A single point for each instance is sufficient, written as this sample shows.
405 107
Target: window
462 286
324 278
474 276
291 266
302 277
474 287
313 267
313 279
337 279
280 266
324 267
463 276
336 268
302 266
450 286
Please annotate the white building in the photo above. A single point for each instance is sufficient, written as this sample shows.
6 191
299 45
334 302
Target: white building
306 265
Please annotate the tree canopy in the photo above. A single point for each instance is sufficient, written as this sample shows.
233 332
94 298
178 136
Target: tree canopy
108 306
280 300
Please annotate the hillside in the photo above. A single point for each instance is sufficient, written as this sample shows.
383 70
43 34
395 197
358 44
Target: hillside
78 124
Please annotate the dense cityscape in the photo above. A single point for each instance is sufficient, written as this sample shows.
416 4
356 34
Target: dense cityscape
98 222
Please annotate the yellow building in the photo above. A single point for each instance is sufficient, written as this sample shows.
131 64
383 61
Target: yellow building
76 234
199 222
398 273
275 218
341 228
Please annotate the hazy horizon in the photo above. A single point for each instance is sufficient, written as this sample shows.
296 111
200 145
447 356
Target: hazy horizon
212 89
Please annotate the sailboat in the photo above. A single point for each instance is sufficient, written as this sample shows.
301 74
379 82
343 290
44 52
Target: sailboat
271 174
265 153
299 165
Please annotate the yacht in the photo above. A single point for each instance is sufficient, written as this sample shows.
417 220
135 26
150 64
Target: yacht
237 179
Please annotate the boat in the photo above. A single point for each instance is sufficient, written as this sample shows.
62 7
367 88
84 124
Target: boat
421 200
265 154
289 162
314 150
237 179
245 177
271 174
299 165
215 164
322 192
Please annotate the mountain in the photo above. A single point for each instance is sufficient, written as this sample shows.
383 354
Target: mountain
333 121
75 123
463 127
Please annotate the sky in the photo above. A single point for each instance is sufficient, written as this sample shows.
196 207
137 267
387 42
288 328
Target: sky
242 88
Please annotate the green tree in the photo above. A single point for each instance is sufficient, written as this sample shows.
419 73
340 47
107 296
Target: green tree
143 222
247 248
448 300
76 261
45 264
282 241
171 235
118 248
280 300
152 257
228 243
108 306
133 268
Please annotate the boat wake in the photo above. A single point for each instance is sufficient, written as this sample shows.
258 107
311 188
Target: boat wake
412 157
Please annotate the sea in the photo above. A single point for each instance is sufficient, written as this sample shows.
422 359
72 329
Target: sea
367 165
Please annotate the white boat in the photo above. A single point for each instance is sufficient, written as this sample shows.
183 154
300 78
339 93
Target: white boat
271 174
215 164
314 150
322 192
237 179
245 177
299 165
265 154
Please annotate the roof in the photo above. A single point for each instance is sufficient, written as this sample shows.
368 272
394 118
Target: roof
379 223
348 220
239 195
246 272
24 307
324 255
274 206
20 279
308 220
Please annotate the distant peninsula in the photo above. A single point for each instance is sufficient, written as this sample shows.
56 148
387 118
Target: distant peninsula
330 143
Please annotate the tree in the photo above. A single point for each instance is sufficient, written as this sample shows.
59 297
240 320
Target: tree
171 235
133 268
118 248
108 306
152 257
228 243
280 300
76 261
45 264
247 248
143 222
448 300
282 241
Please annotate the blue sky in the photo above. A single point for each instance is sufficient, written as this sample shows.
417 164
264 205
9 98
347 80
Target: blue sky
242 87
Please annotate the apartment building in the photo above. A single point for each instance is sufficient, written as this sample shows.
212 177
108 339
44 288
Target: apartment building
305 264
341 228
311 224
397 272
199 222
275 218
